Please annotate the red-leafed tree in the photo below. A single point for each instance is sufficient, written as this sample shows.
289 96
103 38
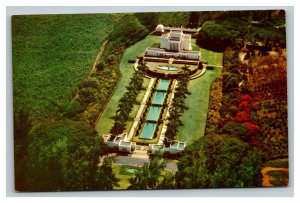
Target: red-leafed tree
246 97
255 142
245 106
242 116
252 128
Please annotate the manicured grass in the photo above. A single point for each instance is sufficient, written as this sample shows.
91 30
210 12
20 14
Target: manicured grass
52 54
124 179
194 118
213 58
105 123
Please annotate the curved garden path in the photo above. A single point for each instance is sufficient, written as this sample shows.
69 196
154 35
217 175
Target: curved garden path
267 178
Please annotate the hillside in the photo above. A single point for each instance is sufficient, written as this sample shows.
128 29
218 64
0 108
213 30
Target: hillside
52 54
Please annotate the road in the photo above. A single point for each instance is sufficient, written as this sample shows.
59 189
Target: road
134 161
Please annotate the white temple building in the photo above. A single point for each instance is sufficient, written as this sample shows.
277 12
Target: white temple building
176 41
174 44
161 28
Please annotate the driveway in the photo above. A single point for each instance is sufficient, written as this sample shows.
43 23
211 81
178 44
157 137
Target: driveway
134 161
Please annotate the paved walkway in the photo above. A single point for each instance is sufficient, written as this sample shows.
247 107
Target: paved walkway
135 161
199 74
141 109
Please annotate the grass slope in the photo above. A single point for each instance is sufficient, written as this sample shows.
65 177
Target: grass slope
105 122
194 118
52 54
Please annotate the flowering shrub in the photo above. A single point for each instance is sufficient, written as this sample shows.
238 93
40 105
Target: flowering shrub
252 128
245 106
242 116
246 97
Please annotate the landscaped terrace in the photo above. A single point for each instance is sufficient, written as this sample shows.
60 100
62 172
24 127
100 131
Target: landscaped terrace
150 126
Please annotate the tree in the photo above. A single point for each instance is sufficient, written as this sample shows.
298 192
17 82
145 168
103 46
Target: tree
149 20
214 36
242 116
128 31
194 19
239 130
219 161
149 176
128 100
178 105
105 179
62 156
22 128
230 81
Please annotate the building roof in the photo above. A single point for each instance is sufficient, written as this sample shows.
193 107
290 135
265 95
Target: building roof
160 28
163 50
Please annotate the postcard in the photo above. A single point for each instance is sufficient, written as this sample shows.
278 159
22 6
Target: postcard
142 101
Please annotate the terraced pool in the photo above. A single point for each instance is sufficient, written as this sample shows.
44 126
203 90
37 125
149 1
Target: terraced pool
153 113
163 85
148 131
159 98
168 68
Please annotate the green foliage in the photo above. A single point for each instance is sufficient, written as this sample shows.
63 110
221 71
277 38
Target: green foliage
128 100
22 128
178 105
194 19
105 122
51 55
105 179
176 19
128 31
100 66
236 129
230 82
62 156
149 176
278 163
149 20
279 178
194 118
219 161
232 30
214 36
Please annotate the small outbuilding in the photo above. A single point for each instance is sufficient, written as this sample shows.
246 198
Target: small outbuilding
159 28
119 143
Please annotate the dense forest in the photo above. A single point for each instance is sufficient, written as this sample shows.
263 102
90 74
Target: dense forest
58 93
57 99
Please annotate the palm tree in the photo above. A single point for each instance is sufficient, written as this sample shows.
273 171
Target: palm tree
148 176
105 178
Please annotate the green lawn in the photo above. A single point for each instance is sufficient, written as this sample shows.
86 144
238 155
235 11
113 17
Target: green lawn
213 58
194 118
52 54
124 179
105 122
